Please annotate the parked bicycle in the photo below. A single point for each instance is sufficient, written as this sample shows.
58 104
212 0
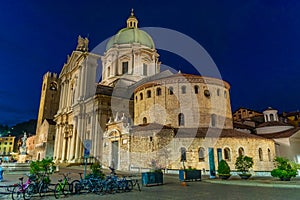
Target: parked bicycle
135 181
63 187
44 185
87 184
23 190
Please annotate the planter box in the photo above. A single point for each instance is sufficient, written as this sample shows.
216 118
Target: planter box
152 178
190 175
224 177
245 176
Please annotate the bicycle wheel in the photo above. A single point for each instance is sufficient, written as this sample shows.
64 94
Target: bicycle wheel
129 185
112 188
58 190
75 187
67 189
29 191
43 189
17 193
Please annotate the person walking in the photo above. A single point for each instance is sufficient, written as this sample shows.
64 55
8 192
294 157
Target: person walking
1 171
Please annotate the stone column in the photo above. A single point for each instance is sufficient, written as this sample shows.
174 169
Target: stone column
73 140
66 94
94 134
81 82
82 136
61 102
69 157
60 99
77 139
56 142
63 150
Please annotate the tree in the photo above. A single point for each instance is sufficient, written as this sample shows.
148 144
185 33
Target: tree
223 168
243 164
286 169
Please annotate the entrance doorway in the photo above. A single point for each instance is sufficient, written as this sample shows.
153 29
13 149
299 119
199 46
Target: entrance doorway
115 154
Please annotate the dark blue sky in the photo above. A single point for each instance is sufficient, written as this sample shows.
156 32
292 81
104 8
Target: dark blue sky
255 44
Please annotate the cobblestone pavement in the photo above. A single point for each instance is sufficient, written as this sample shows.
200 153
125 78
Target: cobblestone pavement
206 189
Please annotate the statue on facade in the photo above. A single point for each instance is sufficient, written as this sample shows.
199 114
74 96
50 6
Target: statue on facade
83 44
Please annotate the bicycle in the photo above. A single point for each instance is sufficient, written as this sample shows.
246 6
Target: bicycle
63 187
23 190
82 185
44 184
135 181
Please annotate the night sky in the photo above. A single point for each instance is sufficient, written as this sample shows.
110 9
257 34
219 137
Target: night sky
255 45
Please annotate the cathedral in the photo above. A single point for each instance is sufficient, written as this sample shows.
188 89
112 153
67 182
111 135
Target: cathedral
137 115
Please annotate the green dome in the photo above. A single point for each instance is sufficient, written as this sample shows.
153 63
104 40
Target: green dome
129 36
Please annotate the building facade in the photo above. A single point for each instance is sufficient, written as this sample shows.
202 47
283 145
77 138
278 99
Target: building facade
136 114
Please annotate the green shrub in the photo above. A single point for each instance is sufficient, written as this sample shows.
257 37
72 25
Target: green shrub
223 168
42 169
96 170
45 166
243 164
286 169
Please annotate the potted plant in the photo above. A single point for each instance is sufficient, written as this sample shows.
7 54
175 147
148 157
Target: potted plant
224 170
189 174
154 176
285 170
243 164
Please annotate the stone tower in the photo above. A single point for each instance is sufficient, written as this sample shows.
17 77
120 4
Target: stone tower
45 130
49 98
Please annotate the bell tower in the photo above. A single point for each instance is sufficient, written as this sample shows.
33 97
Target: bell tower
49 98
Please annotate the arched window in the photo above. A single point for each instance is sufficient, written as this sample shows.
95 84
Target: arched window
201 154
158 91
260 154
227 154
144 120
136 98
225 94
218 92
196 89
141 96
213 120
269 155
181 119
182 154
183 89
241 151
148 93
271 117
171 91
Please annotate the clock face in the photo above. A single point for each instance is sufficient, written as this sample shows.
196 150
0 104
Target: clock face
53 86
207 93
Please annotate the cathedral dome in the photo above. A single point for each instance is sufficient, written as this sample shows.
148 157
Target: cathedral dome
131 34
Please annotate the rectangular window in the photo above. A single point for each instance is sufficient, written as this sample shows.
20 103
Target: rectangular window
125 67
145 69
